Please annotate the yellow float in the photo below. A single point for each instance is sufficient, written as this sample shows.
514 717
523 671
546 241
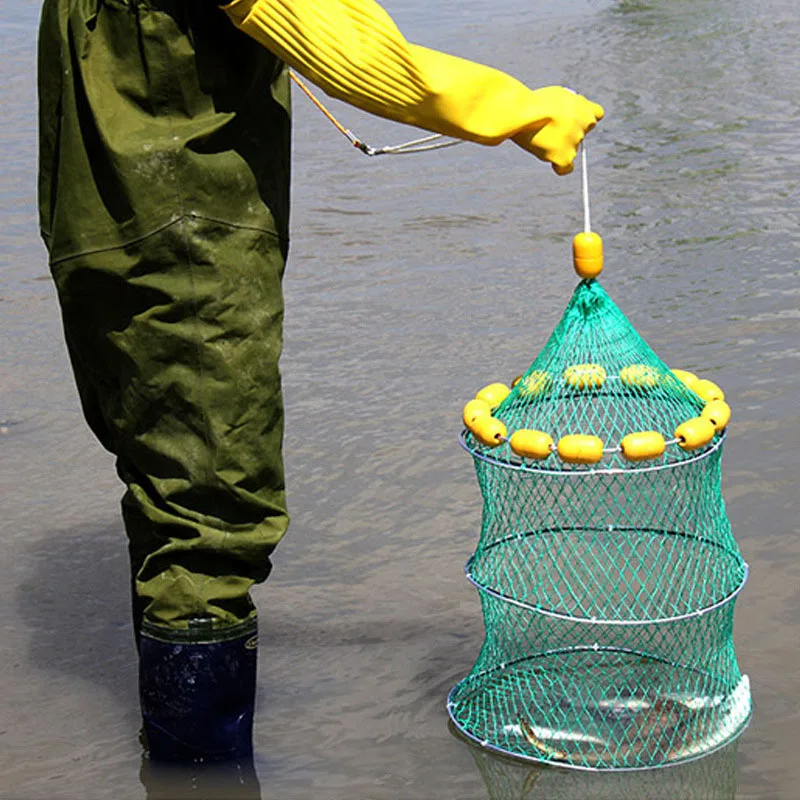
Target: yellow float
641 375
474 409
587 254
579 448
642 446
488 430
694 433
493 394
718 412
531 444
535 384
685 377
585 376
707 390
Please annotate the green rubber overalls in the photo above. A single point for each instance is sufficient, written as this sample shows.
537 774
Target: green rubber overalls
164 205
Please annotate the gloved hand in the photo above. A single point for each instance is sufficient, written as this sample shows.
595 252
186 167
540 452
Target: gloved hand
568 118
353 51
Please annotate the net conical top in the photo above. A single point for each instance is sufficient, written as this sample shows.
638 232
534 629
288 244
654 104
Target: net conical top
596 376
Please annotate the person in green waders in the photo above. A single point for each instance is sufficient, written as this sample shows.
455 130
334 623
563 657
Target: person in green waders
164 205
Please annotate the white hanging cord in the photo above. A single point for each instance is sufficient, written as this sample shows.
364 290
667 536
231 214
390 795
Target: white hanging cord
587 221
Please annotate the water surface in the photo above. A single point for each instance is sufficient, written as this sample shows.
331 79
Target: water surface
412 282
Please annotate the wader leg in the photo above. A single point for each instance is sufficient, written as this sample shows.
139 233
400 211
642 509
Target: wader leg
163 198
179 369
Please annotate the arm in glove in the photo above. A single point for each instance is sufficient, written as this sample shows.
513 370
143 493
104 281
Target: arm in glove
353 51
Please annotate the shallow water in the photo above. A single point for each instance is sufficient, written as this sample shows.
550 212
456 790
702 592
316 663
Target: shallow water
412 282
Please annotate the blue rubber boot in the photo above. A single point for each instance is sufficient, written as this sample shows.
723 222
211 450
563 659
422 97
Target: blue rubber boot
197 689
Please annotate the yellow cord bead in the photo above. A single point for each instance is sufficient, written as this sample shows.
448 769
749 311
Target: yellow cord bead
708 390
587 255
578 448
686 378
474 409
585 376
488 430
642 446
641 375
493 394
516 381
531 444
535 384
694 433
718 412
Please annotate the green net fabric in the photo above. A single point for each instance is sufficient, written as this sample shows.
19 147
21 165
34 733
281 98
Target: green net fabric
607 589
712 778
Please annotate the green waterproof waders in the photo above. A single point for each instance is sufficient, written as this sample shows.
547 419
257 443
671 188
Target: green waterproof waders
164 194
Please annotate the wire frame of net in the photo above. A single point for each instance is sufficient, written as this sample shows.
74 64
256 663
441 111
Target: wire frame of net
712 778
608 590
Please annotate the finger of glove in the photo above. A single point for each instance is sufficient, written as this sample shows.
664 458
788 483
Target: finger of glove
558 140
588 115
558 144
597 111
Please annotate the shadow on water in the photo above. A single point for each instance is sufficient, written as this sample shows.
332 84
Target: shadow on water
709 778
75 602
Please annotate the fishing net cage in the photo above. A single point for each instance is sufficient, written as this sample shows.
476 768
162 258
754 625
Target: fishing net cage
606 567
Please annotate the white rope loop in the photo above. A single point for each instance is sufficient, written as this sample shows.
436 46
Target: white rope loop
434 142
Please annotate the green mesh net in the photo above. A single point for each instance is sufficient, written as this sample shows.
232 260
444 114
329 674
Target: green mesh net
712 778
607 587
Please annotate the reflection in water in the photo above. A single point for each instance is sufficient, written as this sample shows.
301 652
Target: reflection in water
709 778
234 780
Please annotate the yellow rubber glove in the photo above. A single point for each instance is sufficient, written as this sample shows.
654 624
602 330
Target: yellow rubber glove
353 51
